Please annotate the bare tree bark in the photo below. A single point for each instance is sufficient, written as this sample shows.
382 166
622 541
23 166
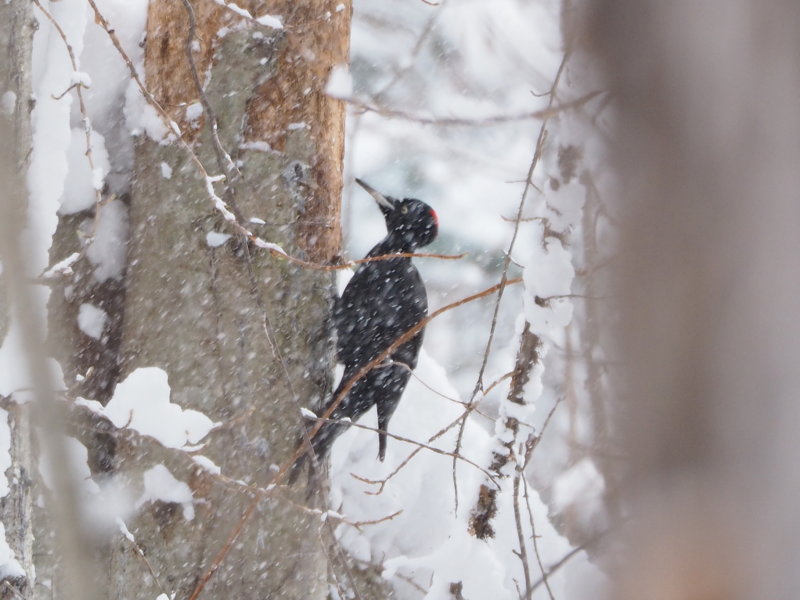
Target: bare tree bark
708 152
241 334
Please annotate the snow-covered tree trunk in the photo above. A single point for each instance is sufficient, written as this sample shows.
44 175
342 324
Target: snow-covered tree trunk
240 332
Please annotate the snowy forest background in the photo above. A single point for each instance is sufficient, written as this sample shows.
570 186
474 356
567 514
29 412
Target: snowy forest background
606 397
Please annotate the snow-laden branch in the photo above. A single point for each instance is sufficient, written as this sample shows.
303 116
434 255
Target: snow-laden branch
267 20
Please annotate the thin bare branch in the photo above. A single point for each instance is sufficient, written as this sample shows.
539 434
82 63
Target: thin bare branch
226 548
544 114
224 160
523 550
347 265
420 445
535 538
139 551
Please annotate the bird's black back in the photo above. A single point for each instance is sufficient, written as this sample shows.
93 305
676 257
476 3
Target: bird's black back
382 301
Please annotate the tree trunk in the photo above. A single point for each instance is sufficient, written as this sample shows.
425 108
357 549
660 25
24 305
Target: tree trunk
16 507
707 287
241 333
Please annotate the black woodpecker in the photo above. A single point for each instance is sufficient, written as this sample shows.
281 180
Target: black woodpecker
383 300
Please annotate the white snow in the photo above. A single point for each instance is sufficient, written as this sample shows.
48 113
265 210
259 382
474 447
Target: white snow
579 490
92 320
215 239
5 453
548 275
270 21
235 8
268 246
107 251
81 182
103 64
62 267
257 145
340 82
9 566
141 117
50 119
308 414
142 403
194 111
80 78
123 528
161 484
166 170
207 464
267 20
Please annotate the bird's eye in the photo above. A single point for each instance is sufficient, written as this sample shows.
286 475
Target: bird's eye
404 209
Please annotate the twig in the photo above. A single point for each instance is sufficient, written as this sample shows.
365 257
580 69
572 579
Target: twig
420 445
495 383
426 31
555 567
333 572
435 391
523 552
377 521
534 537
223 158
531 446
382 482
8 585
566 558
544 114
226 548
326 514
140 553
368 259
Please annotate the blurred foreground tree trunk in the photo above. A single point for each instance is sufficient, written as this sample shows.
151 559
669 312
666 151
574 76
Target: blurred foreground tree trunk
16 506
708 148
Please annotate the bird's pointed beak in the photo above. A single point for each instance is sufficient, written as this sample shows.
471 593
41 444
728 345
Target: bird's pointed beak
384 202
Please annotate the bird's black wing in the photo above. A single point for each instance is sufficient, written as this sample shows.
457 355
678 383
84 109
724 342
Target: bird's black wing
383 300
